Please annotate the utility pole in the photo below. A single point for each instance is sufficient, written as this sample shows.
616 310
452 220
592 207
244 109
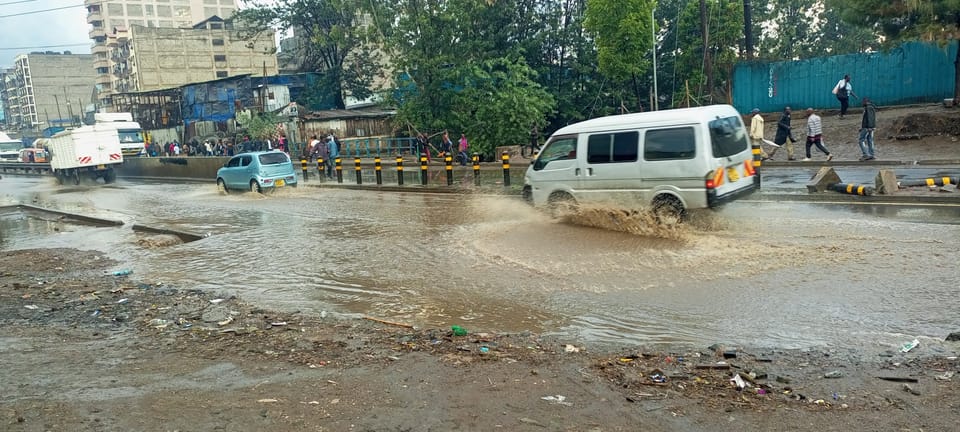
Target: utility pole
653 36
748 29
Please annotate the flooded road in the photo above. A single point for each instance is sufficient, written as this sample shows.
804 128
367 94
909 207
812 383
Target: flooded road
788 275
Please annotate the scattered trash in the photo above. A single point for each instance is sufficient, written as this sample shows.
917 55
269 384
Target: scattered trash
123 300
761 391
571 349
909 346
458 331
267 400
226 321
394 358
739 382
911 390
278 323
953 337
558 400
821 402
944 376
729 354
123 272
717 365
484 350
217 300
32 307
658 378
158 323
95 313
833 374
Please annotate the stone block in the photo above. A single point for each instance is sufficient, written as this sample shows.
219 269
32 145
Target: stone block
887 183
823 179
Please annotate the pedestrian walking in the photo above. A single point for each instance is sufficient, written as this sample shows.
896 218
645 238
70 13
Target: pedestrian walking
815 134
844 90
756 132
784 134
463 147
446 145
333 153
867 124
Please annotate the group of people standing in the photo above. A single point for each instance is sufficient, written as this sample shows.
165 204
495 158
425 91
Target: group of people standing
784 135
327 151
446 147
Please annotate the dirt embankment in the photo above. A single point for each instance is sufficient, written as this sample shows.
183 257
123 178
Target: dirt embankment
84 349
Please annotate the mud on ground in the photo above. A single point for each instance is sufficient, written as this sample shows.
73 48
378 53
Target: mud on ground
83 349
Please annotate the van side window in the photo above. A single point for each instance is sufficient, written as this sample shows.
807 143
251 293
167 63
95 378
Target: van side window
614 147
561 148
674 143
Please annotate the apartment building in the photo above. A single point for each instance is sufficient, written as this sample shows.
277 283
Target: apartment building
105 16
152 58
47 89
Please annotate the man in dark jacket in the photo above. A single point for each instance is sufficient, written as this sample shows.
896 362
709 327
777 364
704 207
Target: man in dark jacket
867 125
784 133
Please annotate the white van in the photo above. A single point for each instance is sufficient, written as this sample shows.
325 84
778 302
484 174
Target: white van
668 161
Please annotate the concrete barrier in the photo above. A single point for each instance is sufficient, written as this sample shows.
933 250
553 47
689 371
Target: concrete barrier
194 167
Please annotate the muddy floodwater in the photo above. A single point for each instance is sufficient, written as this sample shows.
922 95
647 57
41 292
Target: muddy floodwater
789 275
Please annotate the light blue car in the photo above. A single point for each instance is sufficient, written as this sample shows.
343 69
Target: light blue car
256 172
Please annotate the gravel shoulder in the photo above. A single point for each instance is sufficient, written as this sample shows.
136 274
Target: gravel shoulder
82 349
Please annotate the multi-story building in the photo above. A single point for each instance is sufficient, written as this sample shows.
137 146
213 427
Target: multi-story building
47 89
152 58
105 16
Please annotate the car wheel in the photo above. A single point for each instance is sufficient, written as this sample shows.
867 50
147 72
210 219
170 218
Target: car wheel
527 194
668 210
560 205
222 187
255 187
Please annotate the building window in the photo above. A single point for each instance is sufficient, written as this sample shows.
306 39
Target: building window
164 11
218 42
216 26
134 10
115 9
220 57
221 74
209 11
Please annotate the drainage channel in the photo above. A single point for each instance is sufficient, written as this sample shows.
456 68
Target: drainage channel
27 220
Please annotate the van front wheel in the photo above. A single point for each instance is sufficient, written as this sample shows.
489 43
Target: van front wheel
668 210
560 205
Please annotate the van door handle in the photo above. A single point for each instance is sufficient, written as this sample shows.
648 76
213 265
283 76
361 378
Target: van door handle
589 171
576 172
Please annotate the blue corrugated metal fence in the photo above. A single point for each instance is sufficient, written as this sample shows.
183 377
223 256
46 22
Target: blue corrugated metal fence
913 72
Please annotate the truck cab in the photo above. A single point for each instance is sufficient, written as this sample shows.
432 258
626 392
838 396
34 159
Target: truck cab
132 139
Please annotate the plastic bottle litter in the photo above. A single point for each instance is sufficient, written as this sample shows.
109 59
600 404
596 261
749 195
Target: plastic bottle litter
484 350
458 331
123 272
909 346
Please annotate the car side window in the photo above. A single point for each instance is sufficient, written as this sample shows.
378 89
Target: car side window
235 162
245 160
673 143
613 147
562 148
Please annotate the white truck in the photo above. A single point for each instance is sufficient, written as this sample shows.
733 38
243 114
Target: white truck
131 134
87 151
9 148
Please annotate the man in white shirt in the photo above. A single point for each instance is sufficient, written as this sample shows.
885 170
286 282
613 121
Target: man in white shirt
815 134
844 90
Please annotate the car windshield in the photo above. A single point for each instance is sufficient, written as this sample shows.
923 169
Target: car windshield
728 136
273 158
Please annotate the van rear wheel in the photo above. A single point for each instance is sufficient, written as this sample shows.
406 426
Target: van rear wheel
668 210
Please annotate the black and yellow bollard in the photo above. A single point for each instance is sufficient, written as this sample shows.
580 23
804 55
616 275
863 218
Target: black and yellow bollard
303 165
356 167
399 170
423 170
448 160
337 165
476 169
506 168
757 160
931 182
376 170
853 189
320 167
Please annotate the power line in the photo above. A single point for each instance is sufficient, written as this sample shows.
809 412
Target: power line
42 46
40 11
15 2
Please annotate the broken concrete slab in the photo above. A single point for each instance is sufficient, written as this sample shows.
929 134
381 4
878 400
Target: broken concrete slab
823 179
886 182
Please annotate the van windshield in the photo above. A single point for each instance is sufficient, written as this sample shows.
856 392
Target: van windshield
728 136
557 149
273 158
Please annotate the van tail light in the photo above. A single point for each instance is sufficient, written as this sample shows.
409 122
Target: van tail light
714 178
710 184
748 168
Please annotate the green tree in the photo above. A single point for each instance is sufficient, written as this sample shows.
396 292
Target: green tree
335 40
684 49
624 39
263 126
900 20
461 68
799 29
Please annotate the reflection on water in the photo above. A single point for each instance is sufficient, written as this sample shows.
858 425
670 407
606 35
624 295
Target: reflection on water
778 274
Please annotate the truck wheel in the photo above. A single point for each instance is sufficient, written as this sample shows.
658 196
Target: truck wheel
110 176
76 177
59 176
255 187
222 187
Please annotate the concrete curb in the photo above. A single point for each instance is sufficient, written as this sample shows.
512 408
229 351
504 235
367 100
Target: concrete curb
82 218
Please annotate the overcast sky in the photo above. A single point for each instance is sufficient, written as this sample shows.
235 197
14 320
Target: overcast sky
23 34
